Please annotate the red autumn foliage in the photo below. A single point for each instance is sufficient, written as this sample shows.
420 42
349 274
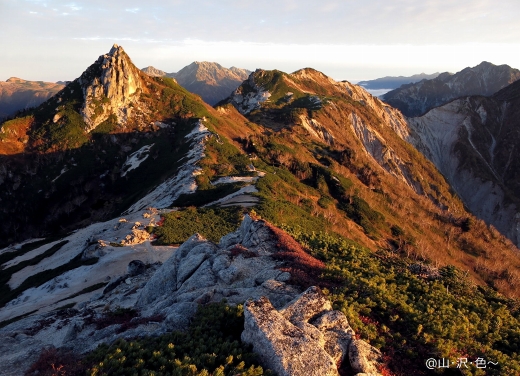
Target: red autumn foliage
241 250
304 269
54 362
367 320
161 221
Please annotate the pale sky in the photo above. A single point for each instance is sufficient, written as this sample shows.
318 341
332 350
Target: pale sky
54 40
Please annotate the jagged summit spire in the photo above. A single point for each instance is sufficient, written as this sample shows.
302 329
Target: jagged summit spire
114 48
109 86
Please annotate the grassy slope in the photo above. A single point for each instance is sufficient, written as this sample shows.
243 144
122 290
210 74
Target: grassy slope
319 195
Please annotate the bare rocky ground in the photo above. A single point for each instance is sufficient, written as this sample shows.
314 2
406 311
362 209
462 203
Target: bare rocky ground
164 296
115 243
306 337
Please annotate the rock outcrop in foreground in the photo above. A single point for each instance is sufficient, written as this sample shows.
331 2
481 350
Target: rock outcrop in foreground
306 337
292 333
162 297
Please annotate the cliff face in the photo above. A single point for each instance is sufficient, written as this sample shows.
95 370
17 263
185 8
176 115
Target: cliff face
473 142
111 86
418 98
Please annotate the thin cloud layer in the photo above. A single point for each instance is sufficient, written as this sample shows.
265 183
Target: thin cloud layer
46 29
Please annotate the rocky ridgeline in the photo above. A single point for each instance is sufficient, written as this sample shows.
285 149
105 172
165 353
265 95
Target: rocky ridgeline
249 97
306 337
110 86
324 125
211 81
240 267
418 98
282 324
154 72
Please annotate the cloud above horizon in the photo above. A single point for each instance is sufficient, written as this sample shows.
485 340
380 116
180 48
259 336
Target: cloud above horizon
50 29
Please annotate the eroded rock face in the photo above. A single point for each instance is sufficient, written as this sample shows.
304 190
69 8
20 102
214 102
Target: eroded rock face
247 101
472 141
363 357
282 346
110 91
306 337
240 267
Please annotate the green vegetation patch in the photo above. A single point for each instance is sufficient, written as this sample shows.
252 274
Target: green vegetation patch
284 199
275 82
212 223
210 346
360 212
14 127
174 100
411 318
106 127
224 158
206 196
69 131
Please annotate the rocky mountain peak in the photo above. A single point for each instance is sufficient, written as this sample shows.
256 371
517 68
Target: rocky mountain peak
109 87
14 80
210 80
485 64
154 72
210 73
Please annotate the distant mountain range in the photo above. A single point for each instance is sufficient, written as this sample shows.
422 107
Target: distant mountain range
417 98
129 206
17 94
211 81
393 82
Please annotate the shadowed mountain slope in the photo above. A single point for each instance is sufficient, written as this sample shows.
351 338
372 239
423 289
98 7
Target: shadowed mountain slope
473 141
75 159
